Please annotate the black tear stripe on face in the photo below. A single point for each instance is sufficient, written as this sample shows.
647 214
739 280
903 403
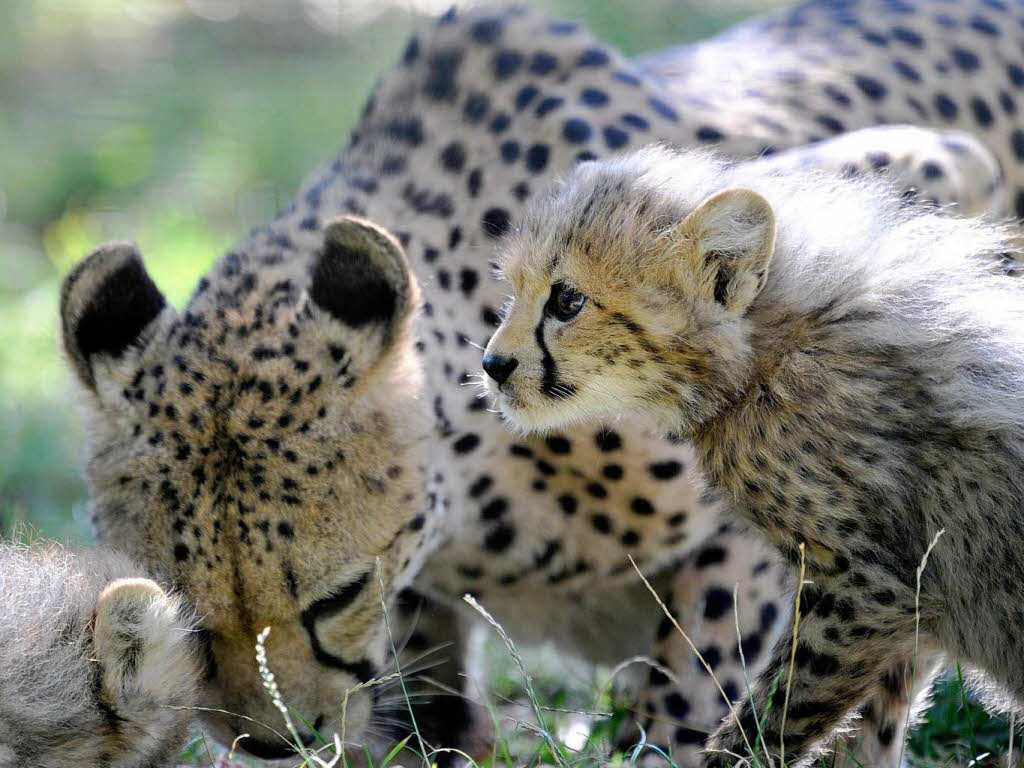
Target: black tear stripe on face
363 670
550 385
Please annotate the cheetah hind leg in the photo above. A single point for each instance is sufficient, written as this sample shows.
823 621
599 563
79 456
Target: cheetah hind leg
946 168
678 713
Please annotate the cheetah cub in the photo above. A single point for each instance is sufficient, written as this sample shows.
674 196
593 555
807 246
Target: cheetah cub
851 373
97 667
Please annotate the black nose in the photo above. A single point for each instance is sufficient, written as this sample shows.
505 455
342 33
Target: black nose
499 368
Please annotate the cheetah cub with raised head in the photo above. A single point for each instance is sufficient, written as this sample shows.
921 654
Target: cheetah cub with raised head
98 668
851 372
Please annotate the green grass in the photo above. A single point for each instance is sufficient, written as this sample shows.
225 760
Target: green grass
537 699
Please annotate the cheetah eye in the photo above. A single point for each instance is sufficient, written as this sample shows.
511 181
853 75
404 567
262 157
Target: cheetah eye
565 302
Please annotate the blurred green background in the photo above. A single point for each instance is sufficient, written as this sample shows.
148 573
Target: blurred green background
181 124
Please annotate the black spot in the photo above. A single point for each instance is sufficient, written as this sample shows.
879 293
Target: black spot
636 121
665 470
717 601
494 509
500 123
932 170
708 133
568 504
466 443
983 25
641 506
602 523
180 552
830 123
1017 141
576 130
946 107
592 57
907 72
1007 103
677 706
710 556
526 94
537 158
476 106
870 87
593 97
630 538
542 63
837 95
614 137
686 735
486 30
663 109
607 440
548 104
506 63
558 444
440 82
509 151
597 490
453 157
966 60
612 471
907 36
1016 74
412 52
500 539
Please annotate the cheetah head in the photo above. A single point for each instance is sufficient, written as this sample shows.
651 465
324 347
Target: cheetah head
628 299
259 451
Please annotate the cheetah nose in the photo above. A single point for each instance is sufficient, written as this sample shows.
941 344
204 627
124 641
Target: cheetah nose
499 368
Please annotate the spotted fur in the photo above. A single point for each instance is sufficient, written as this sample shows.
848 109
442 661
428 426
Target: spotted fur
849 369
482 111
259 451
98 667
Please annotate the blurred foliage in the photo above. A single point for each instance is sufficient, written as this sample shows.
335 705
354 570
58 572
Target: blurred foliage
180 124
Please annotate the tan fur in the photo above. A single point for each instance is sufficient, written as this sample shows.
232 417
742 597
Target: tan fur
99 668
259 451
853 389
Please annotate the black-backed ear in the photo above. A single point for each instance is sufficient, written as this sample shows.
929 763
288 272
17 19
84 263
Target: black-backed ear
107 303
734 233
362 278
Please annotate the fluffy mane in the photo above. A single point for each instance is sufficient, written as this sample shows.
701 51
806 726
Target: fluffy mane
902 275
47 597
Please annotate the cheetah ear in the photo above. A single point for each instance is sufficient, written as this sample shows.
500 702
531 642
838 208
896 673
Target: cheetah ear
108 304
734 235
143 642
362 278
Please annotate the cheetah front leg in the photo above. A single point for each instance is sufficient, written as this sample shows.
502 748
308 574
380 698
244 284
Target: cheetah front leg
680 709
837 667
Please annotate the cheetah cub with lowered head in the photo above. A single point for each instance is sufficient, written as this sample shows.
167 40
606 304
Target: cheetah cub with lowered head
98 668
851 373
